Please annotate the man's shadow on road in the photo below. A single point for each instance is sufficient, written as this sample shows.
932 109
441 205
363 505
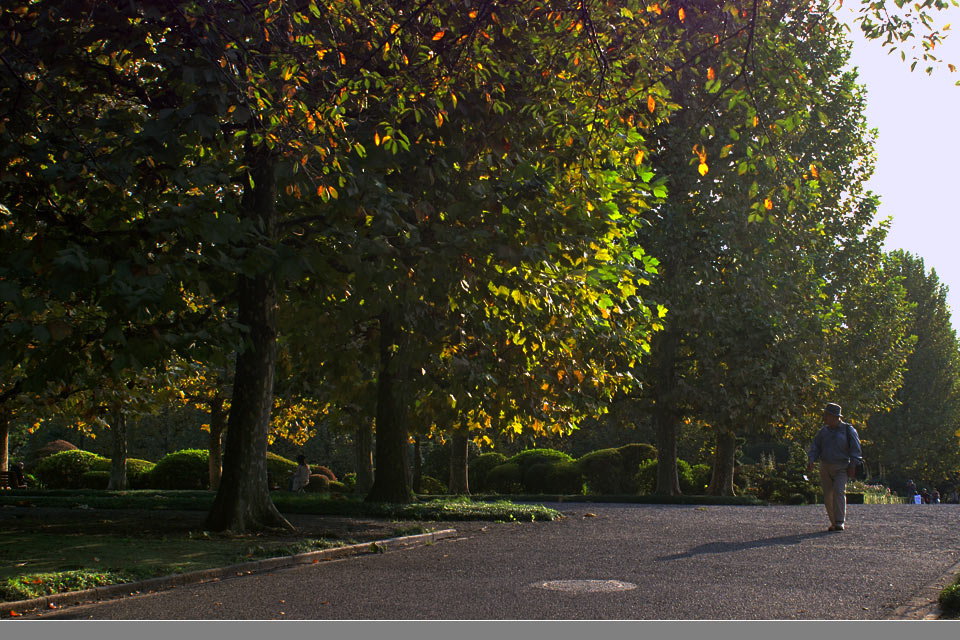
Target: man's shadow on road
729 547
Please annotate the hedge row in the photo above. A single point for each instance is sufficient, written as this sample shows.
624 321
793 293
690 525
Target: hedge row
186 469
547 471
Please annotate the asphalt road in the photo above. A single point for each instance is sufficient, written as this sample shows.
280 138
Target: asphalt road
649 562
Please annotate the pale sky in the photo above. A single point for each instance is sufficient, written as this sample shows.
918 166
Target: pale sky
918 152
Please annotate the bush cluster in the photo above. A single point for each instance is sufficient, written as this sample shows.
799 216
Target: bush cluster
64 470
185 469
479 467
430 485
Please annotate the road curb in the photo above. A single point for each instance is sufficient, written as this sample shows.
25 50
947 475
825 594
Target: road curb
925 606
55 601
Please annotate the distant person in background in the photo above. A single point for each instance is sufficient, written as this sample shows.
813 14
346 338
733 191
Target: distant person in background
935 496
924 496
911 490
301 477
18 480
837 447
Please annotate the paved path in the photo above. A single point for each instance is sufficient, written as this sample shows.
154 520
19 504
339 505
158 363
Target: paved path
686 562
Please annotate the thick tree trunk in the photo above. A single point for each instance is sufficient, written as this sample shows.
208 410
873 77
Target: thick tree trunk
417 465
459 484
243 500
218 422
721 482
391 483
668 481
364 451
118 462
665 415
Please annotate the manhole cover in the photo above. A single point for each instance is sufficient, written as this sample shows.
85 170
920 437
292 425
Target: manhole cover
586 586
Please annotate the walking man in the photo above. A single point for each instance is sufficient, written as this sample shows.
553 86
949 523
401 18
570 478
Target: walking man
837 447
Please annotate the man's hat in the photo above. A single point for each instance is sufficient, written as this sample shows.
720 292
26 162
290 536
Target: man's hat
833 409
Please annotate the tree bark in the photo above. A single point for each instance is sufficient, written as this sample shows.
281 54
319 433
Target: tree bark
118 462
391 483
364 451
721 481
665 416
218 423
4 440
417 465
243 500
459 483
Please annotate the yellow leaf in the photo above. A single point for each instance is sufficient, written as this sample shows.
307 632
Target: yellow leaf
756 120
439 34
682 14
768 204
813 171
711 74
703 168
952 68
473 14
637 159
376 138
651 104
343 58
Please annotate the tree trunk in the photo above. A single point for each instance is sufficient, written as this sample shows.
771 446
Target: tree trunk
364 451
668 481
218 422
243 500
721 482
391 483
417 465
665 415
118 462
459 484
4 440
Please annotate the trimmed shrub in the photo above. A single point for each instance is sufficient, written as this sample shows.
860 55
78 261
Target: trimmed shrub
136 471
530 457
63 470
319 483
535 477
279 470
430 485
47 450
339 487
480 466
505 478
185 469
603 471
565 478
98 480
631 455
319 469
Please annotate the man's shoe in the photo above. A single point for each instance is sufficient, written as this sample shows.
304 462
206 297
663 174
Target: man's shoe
836 527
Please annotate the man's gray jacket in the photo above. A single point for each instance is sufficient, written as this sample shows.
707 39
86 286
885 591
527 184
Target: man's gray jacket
840 445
